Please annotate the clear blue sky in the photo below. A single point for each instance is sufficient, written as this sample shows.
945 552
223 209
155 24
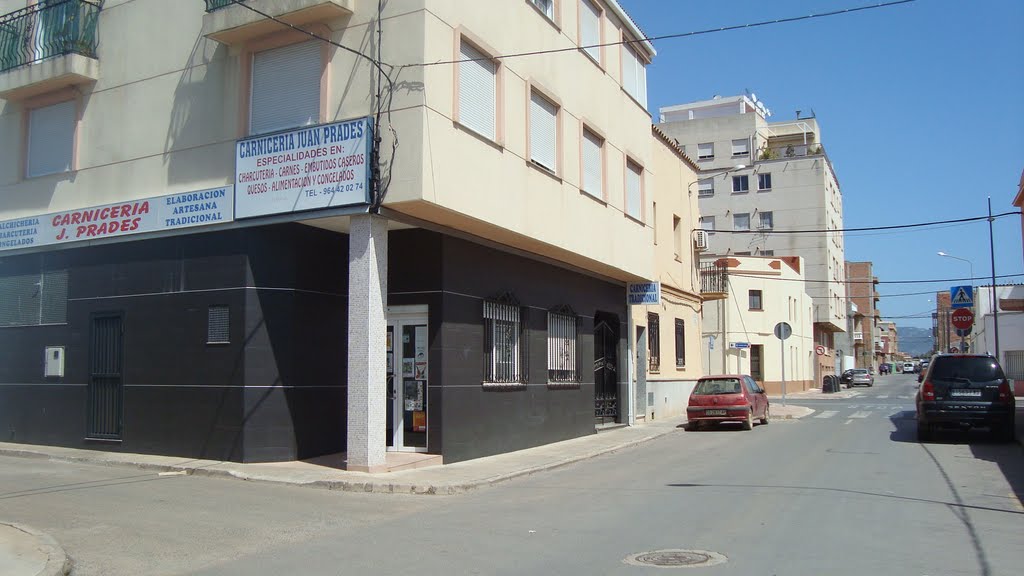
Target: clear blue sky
921 108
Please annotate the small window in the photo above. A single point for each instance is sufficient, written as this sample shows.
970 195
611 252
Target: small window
593 164
562 335
590 29
741 221
740 184
764 181
634 74
543 132
767 252
634 190
478 89
766 221
755 299
218 325
653 342
504 361
741 147
707 223
547 7
51 139
677 236
705 188
706 151
285 91
680 343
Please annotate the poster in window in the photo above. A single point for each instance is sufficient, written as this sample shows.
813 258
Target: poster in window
390 343
421 352
419 421
407 365
413 395
391 363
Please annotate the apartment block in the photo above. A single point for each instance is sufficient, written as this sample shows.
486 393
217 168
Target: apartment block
867 332
251 231
759 182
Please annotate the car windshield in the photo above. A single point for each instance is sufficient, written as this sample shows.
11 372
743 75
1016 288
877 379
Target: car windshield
861 371
973 369
717 386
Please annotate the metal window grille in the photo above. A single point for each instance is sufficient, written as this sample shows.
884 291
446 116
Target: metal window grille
504 361
653 342
562 335
218 325
680 343
705 188
1014 367
47 29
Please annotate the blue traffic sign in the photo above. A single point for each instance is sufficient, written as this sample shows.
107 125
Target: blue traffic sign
961 296
741 345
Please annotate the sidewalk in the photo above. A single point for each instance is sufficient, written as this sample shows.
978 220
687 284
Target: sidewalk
25 551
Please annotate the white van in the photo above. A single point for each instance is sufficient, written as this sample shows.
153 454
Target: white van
908 367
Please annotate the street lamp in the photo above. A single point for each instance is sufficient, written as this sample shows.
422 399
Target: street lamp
689 188
969 263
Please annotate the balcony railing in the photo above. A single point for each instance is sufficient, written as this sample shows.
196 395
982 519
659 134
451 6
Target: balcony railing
212 5
48 29
779 151
858 336
714 279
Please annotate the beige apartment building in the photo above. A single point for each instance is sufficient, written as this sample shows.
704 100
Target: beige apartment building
761 183
365 232
763 292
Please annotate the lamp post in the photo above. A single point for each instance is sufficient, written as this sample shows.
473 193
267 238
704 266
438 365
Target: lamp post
963 339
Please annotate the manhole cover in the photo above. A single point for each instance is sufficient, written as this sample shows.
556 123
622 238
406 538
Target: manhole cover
676 559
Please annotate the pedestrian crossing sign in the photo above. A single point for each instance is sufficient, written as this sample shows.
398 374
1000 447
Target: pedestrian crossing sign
961 296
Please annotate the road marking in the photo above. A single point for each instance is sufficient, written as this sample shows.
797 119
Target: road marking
906 397
882 397
861 414
827 414
855 406
847 422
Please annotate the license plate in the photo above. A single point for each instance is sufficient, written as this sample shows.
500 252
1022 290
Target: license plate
715 412
965 393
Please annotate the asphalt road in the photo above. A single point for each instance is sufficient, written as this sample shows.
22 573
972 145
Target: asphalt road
847 491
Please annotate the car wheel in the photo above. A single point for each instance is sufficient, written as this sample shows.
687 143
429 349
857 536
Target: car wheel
767 416
748 424
924 431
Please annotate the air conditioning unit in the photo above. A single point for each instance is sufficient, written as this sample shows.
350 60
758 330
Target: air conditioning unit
700 240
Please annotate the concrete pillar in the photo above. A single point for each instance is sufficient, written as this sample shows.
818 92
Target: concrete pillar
367 333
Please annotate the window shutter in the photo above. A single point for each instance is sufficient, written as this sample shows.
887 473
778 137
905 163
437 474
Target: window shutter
51 139
634 198
590 28
285 88
543 132
593 173
477 91
706 150
634 74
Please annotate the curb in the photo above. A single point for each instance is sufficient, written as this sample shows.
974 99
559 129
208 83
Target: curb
57 561
366 486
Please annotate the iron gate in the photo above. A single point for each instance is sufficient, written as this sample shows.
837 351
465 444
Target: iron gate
106 390
606 386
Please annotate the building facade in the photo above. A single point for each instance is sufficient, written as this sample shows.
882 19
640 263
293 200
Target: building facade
758 177
763 292
867 335
254 243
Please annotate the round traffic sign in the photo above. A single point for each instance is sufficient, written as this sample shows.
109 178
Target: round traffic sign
819 350
963 318
953 349
783 330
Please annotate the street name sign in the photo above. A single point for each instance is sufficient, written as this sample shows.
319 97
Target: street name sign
639 293
741 345
961 296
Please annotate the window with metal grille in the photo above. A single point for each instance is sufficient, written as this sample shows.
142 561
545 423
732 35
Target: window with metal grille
705 188
504 346
680 343
562 334
218 325
1014 364
653 342
34 298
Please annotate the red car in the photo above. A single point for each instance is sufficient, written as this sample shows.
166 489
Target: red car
727 398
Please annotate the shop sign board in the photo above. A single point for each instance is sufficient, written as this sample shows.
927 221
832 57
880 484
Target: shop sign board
310 168
155 214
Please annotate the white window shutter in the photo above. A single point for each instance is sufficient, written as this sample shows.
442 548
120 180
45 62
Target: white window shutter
543 132
478 92
590 28
634 74
593 173
51 139
286 88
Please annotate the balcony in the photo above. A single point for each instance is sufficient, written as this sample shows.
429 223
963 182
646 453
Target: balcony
775 151
858 336
714 281
230 22
46 47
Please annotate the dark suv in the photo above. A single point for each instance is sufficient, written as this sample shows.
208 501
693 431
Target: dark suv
963 391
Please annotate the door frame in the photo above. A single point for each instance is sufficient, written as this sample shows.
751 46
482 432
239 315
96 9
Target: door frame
397 317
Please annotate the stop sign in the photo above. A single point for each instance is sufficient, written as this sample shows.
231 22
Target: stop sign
963 318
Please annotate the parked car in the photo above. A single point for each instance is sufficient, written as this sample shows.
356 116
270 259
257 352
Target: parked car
964 391
727 398
860 377
908 367
923 365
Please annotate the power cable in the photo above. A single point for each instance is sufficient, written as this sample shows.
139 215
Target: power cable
670 36
777 279
869 228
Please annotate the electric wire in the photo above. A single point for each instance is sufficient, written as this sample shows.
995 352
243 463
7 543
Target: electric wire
870 228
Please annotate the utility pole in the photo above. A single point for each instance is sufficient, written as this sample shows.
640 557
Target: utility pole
995 300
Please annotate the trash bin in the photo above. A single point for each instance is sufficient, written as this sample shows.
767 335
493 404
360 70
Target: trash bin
829 384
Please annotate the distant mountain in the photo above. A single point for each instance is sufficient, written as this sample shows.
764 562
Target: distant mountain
915 341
